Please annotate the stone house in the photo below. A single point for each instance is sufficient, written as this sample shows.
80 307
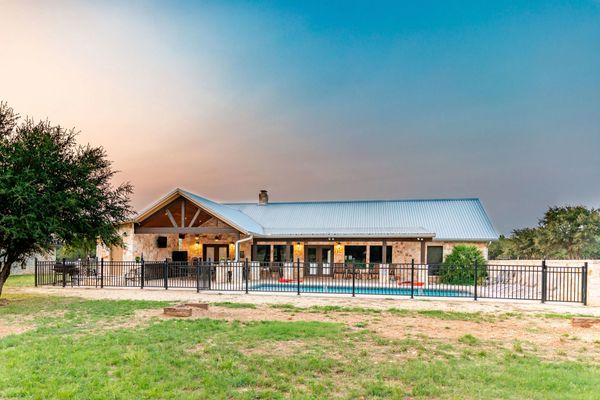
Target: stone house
183 226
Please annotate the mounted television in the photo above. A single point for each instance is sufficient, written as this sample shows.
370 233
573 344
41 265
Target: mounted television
161 242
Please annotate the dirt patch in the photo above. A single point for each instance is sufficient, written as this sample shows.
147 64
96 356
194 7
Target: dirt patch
551 337
7 329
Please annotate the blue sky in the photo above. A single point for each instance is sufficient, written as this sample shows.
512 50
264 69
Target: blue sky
324 100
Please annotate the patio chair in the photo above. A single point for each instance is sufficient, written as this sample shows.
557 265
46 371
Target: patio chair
340 272
134 276
276 271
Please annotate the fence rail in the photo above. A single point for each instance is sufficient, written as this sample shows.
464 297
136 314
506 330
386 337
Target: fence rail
493 281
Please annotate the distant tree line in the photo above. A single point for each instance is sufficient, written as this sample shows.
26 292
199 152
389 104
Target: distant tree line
569 232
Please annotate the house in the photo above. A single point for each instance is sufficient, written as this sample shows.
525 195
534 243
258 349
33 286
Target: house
183 226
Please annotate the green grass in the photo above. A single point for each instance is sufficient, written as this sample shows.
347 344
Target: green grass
19 281
82 349
228 304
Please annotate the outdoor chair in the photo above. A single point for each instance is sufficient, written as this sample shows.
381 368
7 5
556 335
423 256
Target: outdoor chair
134 276
340 272
276 272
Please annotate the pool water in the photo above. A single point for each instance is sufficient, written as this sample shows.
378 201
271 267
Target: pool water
292 287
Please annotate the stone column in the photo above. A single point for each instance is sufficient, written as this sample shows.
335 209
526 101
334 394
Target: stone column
221 273
236 269
593 283
254 271
289 270
384 274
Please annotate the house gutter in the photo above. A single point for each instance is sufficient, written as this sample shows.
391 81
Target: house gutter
237 246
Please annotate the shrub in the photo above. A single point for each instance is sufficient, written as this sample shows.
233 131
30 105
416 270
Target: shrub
459 266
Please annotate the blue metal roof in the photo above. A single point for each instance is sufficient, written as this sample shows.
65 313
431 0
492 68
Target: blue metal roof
446 219
441 219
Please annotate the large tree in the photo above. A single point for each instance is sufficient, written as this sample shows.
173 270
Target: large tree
53 190
572 230
568 232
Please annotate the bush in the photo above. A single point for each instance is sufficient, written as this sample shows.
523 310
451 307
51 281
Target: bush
458 268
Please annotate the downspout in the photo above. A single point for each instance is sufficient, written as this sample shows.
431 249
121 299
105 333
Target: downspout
237 246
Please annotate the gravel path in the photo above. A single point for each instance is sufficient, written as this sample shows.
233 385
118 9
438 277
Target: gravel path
307 300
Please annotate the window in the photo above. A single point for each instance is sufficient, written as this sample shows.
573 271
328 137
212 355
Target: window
263 253
355 254
435 256
376 254
279 254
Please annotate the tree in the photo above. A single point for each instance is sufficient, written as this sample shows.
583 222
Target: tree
459 266
53 190
573 230
525 243
77 248
503 248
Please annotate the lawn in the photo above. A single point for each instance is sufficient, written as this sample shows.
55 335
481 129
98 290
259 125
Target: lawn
84 349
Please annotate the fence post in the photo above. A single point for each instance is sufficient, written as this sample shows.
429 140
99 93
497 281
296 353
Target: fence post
298 277
64 272
475 276
142 273
35 273
197 276
584 284
247 273
544 280
166 274
101 273
207 264
412 279
353 279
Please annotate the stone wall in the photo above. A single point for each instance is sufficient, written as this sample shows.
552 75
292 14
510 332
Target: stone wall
28 267
449 246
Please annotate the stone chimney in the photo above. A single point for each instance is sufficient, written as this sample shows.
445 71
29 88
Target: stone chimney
263 198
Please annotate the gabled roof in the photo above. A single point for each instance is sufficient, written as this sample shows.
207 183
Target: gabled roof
444 219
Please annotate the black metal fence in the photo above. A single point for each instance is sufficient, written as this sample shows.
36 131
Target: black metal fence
494 281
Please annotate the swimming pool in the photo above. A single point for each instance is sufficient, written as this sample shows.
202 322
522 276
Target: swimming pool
292 287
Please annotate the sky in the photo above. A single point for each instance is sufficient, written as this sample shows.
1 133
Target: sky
318 100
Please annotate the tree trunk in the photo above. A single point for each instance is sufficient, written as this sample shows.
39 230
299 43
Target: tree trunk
4 273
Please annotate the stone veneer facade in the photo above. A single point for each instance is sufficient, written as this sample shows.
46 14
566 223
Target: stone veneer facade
138 245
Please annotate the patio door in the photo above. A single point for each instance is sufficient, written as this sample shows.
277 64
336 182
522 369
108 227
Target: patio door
215 252
319 260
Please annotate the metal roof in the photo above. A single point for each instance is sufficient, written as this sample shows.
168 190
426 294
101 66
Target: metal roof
441 219
446 219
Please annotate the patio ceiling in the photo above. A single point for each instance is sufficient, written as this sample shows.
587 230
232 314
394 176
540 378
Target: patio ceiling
180 215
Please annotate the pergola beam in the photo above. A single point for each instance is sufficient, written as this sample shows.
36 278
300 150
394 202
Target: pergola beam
194 218
171 218
189 230
182 213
